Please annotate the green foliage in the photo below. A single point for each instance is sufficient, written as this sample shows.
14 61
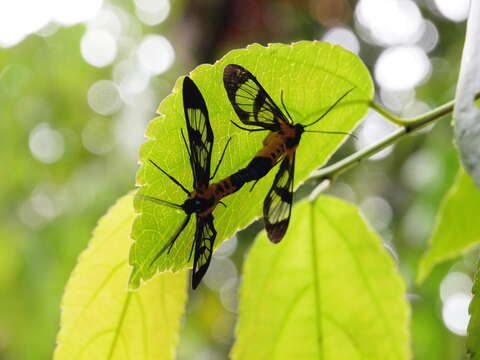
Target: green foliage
456 229
312 76
45 80
48 210
100 318
329 290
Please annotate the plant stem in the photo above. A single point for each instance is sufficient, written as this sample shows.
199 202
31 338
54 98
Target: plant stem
333 171
394 119
407 126
424 119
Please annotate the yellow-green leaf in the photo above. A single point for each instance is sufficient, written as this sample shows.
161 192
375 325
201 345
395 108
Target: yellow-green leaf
312 76
101 319
329 290
457 228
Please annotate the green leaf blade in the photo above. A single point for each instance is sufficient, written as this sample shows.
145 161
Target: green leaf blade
456 229
101 319
312 76
327 291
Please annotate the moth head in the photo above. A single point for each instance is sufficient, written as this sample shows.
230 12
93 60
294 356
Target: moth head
195 205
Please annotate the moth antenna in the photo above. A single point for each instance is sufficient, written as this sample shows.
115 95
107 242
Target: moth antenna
159 201
171 177
284 107
330 108
333 132
172 240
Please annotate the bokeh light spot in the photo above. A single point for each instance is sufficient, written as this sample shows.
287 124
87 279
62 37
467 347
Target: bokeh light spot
343 191
219 272
402 67
153 5
455 313
155 54
423 169
397 100
130 78
107 19
416 108
378 211
130 125
429 39
389 22
43 203
103 97
152 12
46 144
28 216
455 282
373 128
344 37
98 47
453 10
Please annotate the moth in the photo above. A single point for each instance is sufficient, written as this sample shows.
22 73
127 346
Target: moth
204 197
256 109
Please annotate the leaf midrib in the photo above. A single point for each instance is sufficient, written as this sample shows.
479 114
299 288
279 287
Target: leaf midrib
365 281
119 325
318 304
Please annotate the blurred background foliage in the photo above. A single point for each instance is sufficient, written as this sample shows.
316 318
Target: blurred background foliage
79 80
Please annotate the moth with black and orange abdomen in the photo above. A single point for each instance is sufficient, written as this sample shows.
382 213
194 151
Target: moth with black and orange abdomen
255 108
205 196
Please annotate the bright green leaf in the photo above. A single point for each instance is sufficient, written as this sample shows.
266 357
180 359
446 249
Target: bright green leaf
312 76
457 227
473 337
329 290
101 319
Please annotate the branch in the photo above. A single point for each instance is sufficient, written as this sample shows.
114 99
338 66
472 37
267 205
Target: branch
330 173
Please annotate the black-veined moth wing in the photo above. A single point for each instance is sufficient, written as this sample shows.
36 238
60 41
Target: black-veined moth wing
277 206
200 133
205 234
249 99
